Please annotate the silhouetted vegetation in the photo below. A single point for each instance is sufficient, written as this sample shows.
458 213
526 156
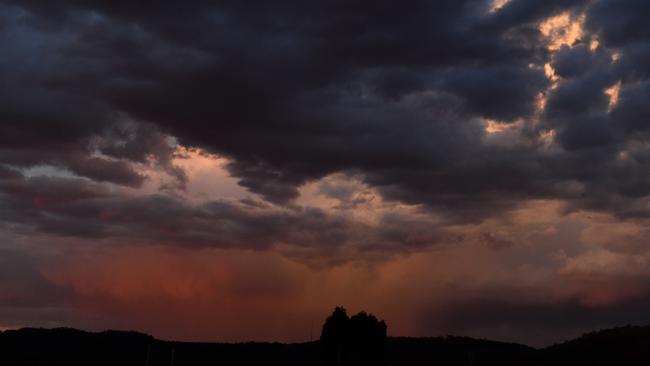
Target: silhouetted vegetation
618 346
362 339
359 340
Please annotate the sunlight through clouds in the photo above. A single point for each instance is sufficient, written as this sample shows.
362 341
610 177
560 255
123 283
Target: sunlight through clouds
613 92
562 29
498 4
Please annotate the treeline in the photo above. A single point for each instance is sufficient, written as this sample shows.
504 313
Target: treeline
359 340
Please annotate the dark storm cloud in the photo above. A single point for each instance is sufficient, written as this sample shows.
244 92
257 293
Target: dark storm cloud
633 113
603 144
505 92
620 22
49 119
293 92
574 61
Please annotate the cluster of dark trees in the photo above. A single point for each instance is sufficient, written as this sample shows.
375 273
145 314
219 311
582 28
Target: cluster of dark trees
356 340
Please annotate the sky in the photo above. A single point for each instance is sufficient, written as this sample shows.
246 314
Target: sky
232 171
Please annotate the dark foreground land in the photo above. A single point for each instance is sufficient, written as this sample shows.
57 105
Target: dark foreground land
29 346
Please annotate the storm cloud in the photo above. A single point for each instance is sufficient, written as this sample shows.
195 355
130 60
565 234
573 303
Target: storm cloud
351 131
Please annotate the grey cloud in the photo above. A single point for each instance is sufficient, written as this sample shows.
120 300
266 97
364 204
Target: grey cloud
336 82
291 93
77 208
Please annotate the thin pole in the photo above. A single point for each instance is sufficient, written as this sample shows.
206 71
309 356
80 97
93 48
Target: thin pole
173 351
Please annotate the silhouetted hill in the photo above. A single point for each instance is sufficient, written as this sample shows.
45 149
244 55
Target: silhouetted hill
456 351
629 345
64 346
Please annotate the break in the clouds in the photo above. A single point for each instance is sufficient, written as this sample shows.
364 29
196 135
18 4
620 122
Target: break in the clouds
348 141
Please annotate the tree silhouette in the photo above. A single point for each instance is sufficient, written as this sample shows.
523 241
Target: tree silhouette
356 340
334 335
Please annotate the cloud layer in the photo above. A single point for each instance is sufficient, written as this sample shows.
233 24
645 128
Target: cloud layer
336 134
